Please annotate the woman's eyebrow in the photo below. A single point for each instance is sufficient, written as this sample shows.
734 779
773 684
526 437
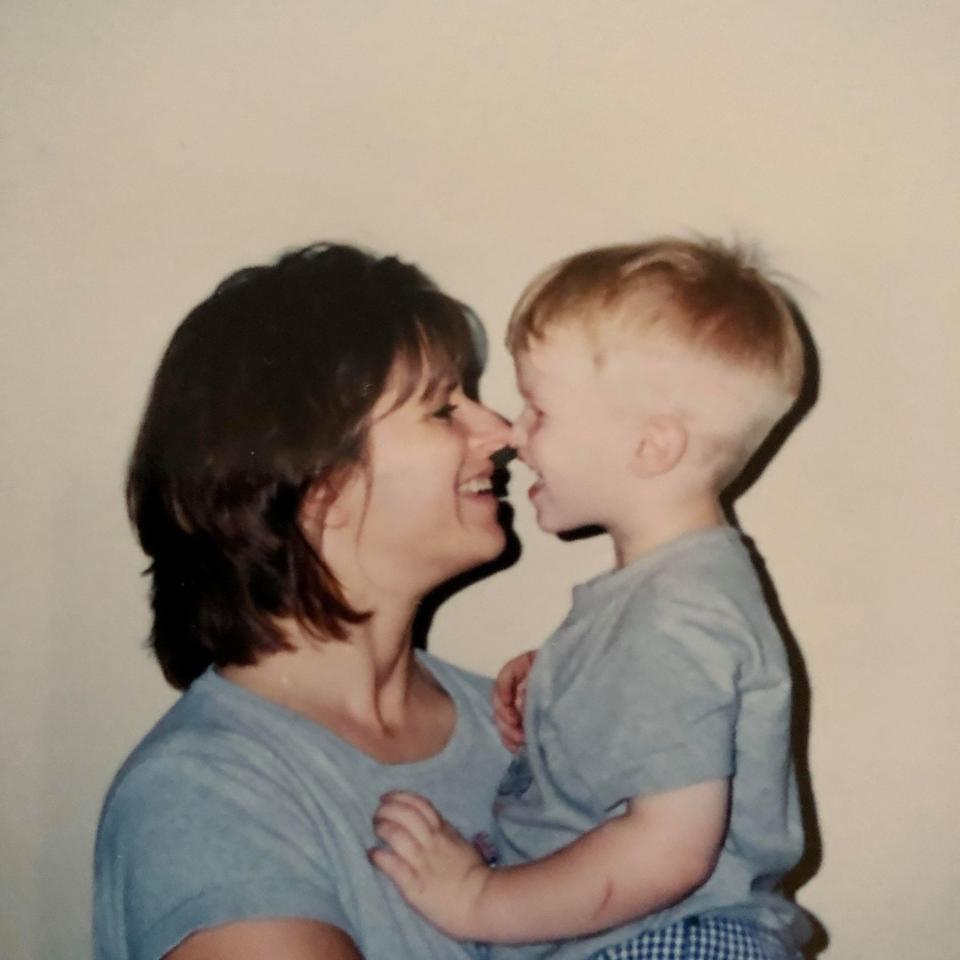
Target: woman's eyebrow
434 389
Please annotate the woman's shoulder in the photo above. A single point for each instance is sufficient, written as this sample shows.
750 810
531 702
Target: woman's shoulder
204 744
203 824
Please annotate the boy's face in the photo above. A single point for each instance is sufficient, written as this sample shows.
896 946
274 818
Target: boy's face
574 433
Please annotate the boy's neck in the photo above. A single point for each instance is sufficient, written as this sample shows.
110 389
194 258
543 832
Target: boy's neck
661 523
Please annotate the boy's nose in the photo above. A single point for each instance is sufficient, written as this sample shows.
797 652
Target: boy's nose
518 433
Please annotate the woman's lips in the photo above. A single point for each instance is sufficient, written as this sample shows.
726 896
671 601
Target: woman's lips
476 486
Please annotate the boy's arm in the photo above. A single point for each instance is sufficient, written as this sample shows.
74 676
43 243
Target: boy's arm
661 849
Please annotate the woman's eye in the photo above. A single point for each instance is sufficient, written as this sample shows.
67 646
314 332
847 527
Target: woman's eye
445 412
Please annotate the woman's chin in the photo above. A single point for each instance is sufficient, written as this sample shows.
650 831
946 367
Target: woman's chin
494 544
485 549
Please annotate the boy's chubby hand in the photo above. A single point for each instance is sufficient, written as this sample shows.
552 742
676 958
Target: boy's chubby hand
437 872
509 697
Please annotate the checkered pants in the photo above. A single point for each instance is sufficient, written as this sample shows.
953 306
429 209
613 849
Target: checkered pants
699 938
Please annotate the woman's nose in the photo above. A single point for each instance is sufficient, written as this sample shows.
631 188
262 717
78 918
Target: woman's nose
488 429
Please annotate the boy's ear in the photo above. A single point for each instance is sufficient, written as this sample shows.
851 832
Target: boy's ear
662 444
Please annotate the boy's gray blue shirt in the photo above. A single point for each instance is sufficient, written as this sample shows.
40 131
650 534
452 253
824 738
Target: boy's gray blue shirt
666 673
235 808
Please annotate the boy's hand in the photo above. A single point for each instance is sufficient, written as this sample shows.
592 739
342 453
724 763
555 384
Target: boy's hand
509 696
436 871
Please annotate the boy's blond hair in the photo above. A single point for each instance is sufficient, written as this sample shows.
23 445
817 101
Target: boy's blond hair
709 300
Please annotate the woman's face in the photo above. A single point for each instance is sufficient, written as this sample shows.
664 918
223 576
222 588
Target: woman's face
423 509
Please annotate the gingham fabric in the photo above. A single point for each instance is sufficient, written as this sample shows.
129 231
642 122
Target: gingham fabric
699 938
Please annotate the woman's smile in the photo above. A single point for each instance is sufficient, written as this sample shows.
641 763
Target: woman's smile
430 506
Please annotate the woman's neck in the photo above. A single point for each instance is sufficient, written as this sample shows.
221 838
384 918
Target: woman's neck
368 688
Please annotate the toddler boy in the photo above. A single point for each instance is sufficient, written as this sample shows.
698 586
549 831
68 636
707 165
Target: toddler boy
653 810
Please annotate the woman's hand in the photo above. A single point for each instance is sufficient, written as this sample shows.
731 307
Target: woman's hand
509 697
436 871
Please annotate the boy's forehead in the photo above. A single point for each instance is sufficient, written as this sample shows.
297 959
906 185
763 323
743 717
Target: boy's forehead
571 359
561 354
626 371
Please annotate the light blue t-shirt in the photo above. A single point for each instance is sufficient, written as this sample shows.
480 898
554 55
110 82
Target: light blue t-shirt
235 808
666 673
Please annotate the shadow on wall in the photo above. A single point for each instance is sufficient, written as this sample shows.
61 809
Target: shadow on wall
800 728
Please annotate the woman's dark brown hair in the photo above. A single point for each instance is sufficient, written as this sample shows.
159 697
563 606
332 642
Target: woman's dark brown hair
265 391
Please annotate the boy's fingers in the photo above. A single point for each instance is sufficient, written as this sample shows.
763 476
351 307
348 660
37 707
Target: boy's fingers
510 733
509 720
411 812
505 716
512 674
423 807
506 681
400 841
401 873
503 688
394 817
503 724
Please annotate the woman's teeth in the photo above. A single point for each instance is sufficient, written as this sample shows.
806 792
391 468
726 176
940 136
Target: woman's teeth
477 485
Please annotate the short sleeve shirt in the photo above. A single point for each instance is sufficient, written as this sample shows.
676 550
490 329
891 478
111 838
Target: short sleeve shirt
234 808
666 673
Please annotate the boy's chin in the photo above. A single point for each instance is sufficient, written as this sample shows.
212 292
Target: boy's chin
546 522
554 525
561 524
568 529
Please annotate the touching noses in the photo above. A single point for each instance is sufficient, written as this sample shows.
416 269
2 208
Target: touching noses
489 431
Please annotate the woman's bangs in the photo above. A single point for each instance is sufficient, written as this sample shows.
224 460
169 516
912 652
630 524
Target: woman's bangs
442 351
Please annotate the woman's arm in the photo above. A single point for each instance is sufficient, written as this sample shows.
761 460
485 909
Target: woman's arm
287 939
656 853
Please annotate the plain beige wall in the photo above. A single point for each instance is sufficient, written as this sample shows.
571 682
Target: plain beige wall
147 149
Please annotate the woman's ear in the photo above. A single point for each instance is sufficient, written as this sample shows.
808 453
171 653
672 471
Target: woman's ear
662 444
323 508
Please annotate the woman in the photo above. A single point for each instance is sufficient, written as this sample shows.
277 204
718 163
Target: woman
311 463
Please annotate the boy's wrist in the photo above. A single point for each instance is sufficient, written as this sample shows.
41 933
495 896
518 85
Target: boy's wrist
476 920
